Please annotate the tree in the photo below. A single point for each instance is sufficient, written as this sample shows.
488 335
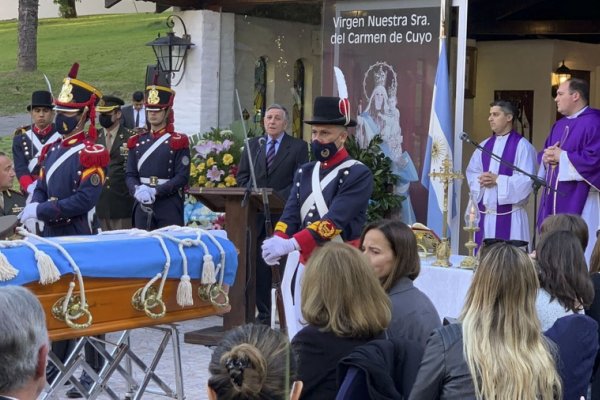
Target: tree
28 23
66 8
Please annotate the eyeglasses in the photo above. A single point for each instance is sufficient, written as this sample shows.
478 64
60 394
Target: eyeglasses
516 243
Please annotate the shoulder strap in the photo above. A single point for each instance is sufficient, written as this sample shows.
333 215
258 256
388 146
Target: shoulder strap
61 160
151 150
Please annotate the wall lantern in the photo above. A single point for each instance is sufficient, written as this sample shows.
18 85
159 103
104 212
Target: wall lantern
170 50
560 75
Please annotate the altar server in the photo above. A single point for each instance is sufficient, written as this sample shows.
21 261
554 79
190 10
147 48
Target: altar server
502 193
571 157
158 165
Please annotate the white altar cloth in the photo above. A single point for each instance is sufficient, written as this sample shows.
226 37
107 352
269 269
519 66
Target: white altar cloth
445 286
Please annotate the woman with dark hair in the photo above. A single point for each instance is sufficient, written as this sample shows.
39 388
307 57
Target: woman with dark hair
253 362
498 350
565 286
594 311
391 247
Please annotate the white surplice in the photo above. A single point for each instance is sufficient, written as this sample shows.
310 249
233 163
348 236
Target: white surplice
513 189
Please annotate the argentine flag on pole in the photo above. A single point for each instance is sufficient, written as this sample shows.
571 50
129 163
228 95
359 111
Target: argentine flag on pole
439 143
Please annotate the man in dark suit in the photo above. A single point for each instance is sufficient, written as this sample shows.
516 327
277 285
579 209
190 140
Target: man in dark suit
134 115
23 344
277 156
116 204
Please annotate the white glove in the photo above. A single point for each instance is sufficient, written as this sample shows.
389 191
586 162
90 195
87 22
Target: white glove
145 194
29 212
31 187
276 247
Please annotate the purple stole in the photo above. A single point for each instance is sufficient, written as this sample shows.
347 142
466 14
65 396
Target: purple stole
503 222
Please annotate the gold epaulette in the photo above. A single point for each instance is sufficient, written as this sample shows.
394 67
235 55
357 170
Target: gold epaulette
22 130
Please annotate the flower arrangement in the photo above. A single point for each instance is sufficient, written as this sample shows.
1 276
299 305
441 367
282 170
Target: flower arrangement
215 159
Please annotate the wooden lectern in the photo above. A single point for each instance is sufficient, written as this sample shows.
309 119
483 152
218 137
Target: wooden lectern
240 224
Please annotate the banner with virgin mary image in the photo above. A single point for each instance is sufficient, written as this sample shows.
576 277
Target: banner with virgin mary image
388 52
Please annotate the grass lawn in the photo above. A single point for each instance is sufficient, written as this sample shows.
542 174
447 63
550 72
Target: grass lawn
110 49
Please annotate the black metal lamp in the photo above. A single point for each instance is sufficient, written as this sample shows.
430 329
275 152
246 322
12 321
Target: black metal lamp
561 74
171 50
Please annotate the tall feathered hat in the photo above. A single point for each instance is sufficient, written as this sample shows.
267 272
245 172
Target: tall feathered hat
75 95
333 110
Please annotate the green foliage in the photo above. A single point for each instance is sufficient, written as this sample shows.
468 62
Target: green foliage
67 8
383 200
111 51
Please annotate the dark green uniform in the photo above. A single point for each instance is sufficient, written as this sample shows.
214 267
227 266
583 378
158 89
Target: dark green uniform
13 202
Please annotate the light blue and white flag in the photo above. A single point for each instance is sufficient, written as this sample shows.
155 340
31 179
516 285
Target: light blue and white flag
439 143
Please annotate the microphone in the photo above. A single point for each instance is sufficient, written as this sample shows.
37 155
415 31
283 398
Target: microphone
465 137
261 144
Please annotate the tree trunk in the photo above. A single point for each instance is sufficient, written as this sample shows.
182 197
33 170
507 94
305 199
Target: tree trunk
67 8
28 23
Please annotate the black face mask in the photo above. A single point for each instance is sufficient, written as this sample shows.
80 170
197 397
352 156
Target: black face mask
66 125
323 151
105 120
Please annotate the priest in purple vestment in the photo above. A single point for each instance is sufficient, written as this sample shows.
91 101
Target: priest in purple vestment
570 160
500 192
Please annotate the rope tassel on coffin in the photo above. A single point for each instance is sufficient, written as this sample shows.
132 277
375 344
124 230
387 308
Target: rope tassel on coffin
188 254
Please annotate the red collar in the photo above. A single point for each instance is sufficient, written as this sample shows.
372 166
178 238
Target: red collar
159 133
73 139
340 156
43 132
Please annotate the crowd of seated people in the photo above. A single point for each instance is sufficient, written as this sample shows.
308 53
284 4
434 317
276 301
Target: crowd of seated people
523 332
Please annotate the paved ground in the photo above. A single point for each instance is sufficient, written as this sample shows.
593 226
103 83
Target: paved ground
194 358
8 124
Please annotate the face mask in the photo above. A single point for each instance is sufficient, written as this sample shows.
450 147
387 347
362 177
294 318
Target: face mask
66 125
105 120
323 151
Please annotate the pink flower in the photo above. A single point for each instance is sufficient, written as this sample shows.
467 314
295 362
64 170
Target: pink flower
218 146
204 148
214 174
227 144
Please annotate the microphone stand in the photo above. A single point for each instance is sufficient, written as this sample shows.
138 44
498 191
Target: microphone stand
536 181
261 142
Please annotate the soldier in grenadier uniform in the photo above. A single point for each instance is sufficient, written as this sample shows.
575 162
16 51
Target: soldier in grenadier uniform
116 204
72 168
11 201
158 165
336 208
71 177
29 140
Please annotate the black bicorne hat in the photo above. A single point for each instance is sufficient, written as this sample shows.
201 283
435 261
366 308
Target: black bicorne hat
331 111
40 98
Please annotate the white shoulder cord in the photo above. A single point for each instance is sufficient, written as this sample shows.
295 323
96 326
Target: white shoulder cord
23 232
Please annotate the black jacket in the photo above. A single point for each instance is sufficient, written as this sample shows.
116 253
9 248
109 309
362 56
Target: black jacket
390 367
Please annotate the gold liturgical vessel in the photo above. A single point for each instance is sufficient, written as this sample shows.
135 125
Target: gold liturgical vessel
472 217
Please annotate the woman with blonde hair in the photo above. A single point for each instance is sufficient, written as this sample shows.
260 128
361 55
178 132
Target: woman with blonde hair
253 362
344 306
498 351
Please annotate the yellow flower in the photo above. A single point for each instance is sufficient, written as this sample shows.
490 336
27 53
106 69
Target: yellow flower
210 162
201 167
193 170
210 184
230 180
221 185
227 159
201 180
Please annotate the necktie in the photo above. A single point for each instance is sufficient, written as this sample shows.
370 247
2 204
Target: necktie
108 141
137 119
271 154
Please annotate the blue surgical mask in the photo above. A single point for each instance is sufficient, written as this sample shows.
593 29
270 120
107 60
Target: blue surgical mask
66 125
323 151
